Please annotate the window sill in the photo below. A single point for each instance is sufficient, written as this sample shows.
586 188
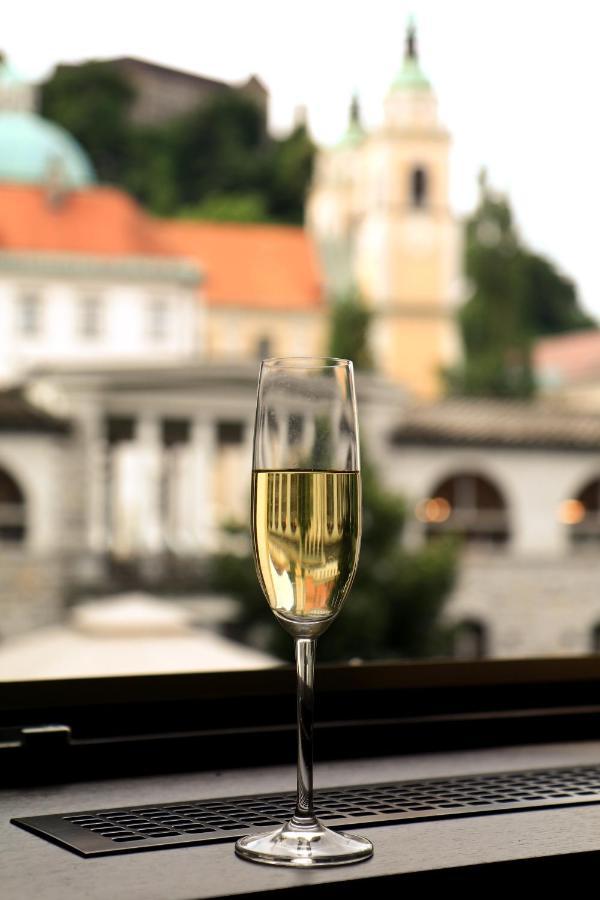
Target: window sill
540 844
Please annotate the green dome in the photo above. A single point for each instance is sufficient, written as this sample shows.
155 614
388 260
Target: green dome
410 76
355 133
30 148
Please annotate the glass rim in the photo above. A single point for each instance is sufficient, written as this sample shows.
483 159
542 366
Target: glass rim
306 362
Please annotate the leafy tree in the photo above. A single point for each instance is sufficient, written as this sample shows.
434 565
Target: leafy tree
494 322
553 302
221 148
150 174
92 102
231 207
217 162
291 171
349 331
516 296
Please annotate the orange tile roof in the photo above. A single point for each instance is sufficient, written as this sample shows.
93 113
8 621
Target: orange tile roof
568 358
97 220
251 266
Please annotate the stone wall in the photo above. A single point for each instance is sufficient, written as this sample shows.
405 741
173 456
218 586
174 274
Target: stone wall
31 591
530 606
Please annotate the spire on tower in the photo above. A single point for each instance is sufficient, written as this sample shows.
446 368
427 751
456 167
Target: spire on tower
410 51
355 132
411 75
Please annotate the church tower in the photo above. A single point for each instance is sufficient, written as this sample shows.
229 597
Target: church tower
379 210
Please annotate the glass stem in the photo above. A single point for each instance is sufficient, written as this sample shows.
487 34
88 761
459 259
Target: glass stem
305 668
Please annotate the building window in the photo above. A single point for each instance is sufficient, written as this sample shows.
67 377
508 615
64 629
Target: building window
175 431
12 510
467 505
120 429
29 315
263 348
89 317
230 433
581 515
469 640
158 319
418 188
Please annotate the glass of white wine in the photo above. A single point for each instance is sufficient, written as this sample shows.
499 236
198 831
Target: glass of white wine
306 528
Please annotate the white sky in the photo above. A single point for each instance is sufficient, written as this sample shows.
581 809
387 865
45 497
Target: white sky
517 81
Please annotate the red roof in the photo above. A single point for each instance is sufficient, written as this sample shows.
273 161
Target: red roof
252 266
97 220
568 358
256 266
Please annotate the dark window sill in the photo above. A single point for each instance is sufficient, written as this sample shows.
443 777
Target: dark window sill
537 847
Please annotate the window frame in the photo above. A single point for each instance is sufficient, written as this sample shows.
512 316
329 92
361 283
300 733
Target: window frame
86 302
29 297
115 726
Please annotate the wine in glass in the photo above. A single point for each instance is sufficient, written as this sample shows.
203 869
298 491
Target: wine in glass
306 528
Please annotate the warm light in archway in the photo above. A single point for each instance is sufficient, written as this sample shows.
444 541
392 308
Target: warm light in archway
435 509
571 512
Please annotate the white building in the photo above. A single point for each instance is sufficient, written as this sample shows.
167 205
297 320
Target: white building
520 484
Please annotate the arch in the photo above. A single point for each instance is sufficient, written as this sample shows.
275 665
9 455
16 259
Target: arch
419 187
12 509
581 515
468 504
470 640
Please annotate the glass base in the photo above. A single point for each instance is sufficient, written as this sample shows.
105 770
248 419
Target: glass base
304 846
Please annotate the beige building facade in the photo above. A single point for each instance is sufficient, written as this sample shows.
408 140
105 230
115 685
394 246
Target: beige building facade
379 212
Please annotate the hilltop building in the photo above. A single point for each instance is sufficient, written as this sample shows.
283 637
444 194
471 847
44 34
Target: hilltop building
164 94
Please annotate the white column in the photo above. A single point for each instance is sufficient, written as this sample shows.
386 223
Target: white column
199 500
149 459
95 452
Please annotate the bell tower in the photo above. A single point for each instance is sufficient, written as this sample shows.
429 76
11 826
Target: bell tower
407 249
400 237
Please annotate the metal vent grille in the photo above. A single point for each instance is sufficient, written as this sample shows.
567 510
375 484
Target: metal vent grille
99 832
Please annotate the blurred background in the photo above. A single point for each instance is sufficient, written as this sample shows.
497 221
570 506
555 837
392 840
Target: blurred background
184 195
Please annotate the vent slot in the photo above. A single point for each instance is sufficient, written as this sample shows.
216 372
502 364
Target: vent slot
100 832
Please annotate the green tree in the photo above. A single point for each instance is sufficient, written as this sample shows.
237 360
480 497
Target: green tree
92 101
221 148
350 320
552 298
291 171
517 296
249 206
150 172
495 322
218 162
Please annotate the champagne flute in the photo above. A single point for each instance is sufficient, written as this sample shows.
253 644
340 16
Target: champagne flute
306 528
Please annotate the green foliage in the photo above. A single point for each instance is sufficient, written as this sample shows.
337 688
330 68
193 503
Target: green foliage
220 148
240 207
217 162
395 603
349 331
92 102
554 305
516 296
290 173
